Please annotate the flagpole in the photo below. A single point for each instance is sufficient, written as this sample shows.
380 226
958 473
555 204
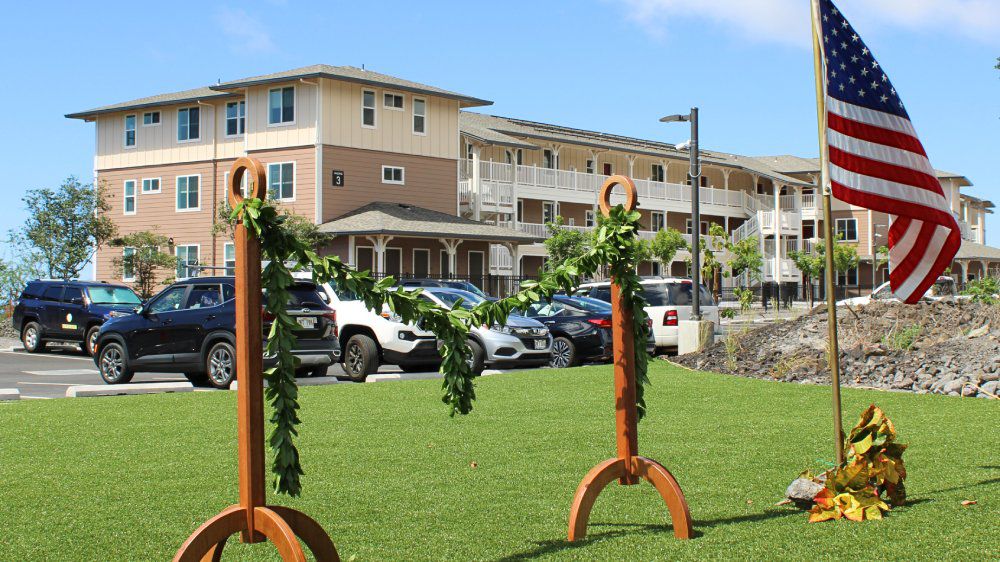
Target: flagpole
831 302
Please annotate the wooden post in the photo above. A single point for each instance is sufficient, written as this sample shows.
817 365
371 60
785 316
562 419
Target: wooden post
628 467
252 518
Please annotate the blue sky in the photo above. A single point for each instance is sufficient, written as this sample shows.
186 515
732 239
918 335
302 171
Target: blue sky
609 65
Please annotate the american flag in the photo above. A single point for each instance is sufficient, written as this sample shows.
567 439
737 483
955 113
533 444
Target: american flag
877 161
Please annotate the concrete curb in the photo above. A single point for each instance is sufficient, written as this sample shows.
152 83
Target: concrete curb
394 377
10 394
301 382
86 390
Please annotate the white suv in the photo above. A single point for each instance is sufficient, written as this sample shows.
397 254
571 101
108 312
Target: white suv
668 301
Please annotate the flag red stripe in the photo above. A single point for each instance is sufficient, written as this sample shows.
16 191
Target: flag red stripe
856 196
944 257
871 133
916 255
883 170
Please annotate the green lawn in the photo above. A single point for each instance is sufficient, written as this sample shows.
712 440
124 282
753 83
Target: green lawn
390 475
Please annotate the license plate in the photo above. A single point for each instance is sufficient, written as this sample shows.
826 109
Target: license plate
541 344
307 322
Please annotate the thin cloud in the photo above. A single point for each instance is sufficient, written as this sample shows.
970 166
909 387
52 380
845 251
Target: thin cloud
786 21
245 32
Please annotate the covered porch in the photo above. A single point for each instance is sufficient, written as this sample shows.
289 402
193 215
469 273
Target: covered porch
975 261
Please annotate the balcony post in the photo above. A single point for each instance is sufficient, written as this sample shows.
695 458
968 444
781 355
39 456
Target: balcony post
476 185
777 238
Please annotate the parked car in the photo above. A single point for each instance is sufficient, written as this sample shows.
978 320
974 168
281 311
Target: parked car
450 283
668 301
190 328
69 312
521 342
943 288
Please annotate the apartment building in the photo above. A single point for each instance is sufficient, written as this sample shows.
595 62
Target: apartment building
406 181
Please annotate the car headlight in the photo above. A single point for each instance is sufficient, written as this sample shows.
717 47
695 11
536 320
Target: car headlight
115 314
502 329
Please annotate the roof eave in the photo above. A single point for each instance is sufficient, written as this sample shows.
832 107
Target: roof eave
92 114
426 234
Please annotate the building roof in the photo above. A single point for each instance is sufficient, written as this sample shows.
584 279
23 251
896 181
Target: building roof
187 96
789 164
401 219
350 74
474 124
975 251
984 203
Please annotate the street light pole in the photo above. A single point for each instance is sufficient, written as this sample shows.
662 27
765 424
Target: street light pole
695 175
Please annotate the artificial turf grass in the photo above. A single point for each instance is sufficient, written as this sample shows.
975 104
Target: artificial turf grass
389 475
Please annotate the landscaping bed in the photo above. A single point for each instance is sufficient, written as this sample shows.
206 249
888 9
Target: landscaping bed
391 477
947 347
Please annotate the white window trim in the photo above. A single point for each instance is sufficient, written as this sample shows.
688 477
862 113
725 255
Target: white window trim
663 220
157 124
135 131
374 109
387 258
836 229
413 118
135 197
374 256
589 218
224 247
191 139
159 183
268 187
413 260
391 93
468 265
652 167
687 227
394 182
177 247
295 106
225 119
124 277
177 187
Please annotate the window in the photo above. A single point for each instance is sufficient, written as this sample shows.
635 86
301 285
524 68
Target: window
281 105
421 262
150 118
188 198
393 101
704 227
128 199
393 174
419 116
548 212
656 173
73 295
151 185
129 131
128 268
847 230
236 118
188 124
393 262
588 219
368 108
205 296
243 183
608 169
549 159
229 258
590 166
445 264
281 181
187 260
656 221
655 268
170 300
520 210
53 293
849 277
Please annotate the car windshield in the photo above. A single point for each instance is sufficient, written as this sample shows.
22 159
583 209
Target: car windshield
343 294
465 286
113 295
449 298
588 304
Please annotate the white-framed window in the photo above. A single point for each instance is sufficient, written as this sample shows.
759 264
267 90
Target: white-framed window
243 183
236 118
393 174
588 219
520 211
281 181
657 221
229 258
364 258
128 199
188 124
704 227
281 105
188 193
393 261
656 268
150 185
549 212
849 277
368 108
445 264
187 260
847 230
393 101
421 262
656 173
129 139
128 269
151 119
590 166
549 159
419 116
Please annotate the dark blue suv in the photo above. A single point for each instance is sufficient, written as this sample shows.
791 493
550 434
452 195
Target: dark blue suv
69 311
190 328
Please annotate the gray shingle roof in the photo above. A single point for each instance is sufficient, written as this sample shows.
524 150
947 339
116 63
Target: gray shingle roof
351 74
401 219
975 251
152 101
789 164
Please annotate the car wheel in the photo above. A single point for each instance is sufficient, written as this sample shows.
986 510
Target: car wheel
478 361
563 353
31 338
89 344
220 365
360 357
197 379
113 364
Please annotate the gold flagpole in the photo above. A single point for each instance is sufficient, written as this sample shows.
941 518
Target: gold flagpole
824 184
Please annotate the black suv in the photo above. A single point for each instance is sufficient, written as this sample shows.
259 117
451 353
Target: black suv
69 311
190 328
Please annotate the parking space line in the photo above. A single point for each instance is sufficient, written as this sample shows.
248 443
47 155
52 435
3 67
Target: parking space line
23 354
26 397
62 372
49 383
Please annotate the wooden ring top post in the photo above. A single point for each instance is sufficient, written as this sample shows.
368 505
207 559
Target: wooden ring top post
631 194
257 182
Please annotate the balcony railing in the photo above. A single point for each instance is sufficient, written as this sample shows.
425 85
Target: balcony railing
493 194
542 231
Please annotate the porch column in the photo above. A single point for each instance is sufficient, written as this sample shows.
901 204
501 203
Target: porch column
631 166
515 267
350 252
380 243
777 231
451 247
965 271
476 187
985 267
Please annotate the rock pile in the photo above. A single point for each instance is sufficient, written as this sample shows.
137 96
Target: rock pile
946 347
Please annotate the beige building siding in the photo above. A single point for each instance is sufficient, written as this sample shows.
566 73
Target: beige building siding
393 131
431 183
301 131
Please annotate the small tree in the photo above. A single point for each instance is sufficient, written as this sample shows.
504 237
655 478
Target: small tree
564 243
666 244
145 261
811 265
65 226
15 273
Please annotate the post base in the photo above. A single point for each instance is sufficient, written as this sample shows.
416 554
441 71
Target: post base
653 472
693 336
280 525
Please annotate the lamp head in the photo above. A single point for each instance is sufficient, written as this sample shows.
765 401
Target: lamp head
675 118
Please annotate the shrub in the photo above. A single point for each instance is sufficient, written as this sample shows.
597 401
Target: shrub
983 290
